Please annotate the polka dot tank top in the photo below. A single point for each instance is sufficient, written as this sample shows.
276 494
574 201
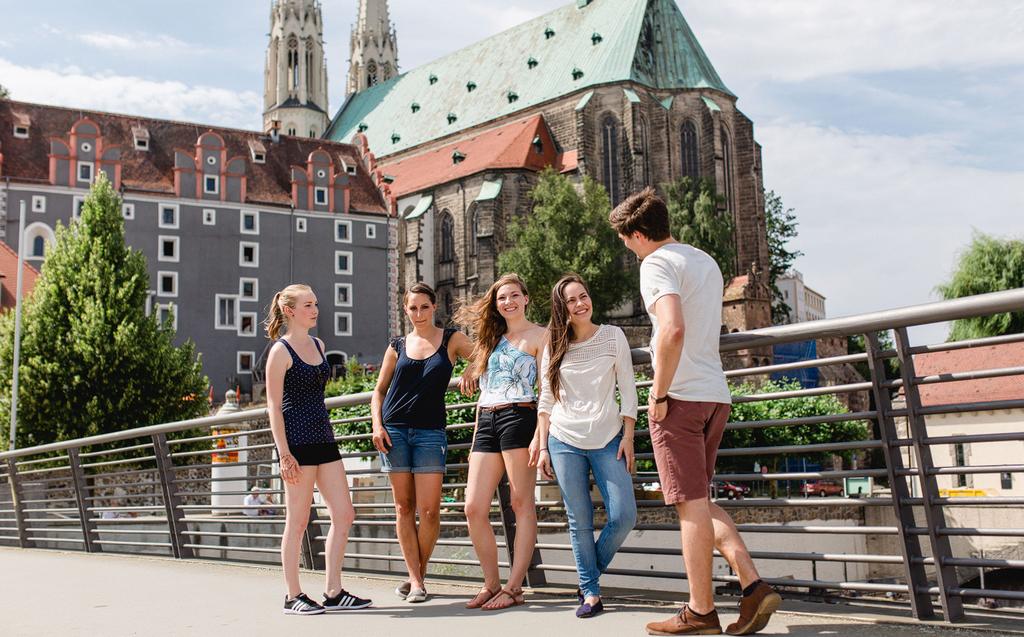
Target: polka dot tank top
306 420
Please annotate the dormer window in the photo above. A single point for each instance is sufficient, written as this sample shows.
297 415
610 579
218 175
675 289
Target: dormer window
21 132
452 117
596 38
350 170
362 127
141 137
470 86
577 73
21 125
433 79
532 63
512 96
395 138
549 33
259 158
415 107
257 151
538 144
458 157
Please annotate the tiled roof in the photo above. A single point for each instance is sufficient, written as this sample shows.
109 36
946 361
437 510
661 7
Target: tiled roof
9 276
152 171
580 45
972 359
506 147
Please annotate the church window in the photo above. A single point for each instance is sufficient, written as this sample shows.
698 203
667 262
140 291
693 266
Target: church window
387 71
291 131
371 74
727 166
691 160
293 63
643 146
577 73
474 229
610 157
447 238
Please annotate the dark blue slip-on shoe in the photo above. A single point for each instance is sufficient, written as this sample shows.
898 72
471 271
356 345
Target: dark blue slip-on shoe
586 610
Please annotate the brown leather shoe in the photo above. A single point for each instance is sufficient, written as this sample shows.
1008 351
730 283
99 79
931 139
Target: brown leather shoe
755 610
685 622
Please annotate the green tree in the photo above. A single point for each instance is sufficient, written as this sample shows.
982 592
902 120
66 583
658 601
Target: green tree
989 264
695 218
780 223
4 93
91 360
568 232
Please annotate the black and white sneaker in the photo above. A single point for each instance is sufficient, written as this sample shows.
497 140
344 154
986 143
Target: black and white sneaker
301 605
344 601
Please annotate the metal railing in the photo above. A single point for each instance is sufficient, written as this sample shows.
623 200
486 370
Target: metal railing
152 489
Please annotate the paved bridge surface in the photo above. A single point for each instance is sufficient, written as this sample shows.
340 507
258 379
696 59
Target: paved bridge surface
46 593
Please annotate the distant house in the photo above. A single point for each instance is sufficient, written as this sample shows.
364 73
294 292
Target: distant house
9 277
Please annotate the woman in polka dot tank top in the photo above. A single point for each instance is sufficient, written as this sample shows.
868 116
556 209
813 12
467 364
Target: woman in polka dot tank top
297 372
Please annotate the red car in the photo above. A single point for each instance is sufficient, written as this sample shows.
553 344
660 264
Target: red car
730 490
822 488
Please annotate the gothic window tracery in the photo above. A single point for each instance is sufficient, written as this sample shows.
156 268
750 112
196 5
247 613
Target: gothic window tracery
293 63
690 157
610 157
727 166
371 74
644 147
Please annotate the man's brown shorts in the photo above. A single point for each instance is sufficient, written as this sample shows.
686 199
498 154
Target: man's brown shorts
686 446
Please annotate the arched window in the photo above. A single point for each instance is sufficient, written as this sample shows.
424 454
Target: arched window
610 157
293 63
38 246
371 73
38 237
644 146
474 228
387 71
691 159
727 167
447 238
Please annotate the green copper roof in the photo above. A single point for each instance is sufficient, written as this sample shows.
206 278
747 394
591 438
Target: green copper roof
644 41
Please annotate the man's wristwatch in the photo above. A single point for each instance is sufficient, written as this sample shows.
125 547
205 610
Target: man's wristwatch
658 401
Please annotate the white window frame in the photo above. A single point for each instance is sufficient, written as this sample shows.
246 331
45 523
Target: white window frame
160 248
371 231
209 217
337 268
160 284
173 309
259 157
300 224
92 171
76 206
317 191
255 253
21 132
142 144
339 286
216 312
255 288
338 332
238 362
339 223
38 203
177 216
255 323
128 210
256 222
206 184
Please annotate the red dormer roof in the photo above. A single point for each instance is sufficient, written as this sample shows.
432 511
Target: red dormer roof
9 277
968 360
525 145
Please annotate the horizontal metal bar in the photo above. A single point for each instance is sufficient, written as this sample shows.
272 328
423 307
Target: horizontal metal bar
164 545
987 501
974 469
107 452
246 549
785 449
960 408
1009 436
803 393
433 560
964 531
986 592
803 475
817 362
50 529
67 540
25 463
33 472
140 520
240 432
992 563
211 451
762 555
967 344
129 532
804 420
272 536
111 463
952 377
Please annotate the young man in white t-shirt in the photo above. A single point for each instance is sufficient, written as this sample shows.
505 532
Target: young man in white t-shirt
688 408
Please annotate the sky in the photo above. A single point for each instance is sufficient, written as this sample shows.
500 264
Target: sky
893 129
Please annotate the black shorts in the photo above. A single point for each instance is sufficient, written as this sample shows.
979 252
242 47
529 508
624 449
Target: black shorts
505 429
316 454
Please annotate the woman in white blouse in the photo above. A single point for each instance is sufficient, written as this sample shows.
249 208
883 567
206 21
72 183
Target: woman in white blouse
582 430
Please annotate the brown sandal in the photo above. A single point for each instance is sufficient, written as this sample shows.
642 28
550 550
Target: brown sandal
482 598
514 594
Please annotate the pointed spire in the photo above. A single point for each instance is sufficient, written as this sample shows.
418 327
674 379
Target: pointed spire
374 49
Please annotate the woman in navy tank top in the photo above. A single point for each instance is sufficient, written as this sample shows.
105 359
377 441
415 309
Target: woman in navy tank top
297 372
407 409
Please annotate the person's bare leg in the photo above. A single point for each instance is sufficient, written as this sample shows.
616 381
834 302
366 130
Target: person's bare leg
428 505
698 540
485 471
404 490
333 485
522 479
298 499
732 547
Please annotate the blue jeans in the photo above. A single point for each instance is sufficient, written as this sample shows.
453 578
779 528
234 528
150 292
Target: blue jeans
572 468
415 450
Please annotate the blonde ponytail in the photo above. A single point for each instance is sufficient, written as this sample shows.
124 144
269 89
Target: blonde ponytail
277 322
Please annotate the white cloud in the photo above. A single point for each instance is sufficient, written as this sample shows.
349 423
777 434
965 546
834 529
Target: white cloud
796 40
883 218
133 95
140 42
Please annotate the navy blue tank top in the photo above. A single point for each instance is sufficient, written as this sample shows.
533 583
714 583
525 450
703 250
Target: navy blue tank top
416 395
306 421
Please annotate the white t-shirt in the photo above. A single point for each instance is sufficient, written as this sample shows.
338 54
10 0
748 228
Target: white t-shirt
585 414
695 278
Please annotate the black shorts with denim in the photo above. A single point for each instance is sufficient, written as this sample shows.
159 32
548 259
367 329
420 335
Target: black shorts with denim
505 429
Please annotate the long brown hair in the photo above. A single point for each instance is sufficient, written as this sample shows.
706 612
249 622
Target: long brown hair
484 322
276 320
559 329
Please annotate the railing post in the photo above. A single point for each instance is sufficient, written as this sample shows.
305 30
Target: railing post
534 576
312 547
81 493
910 545
17 505
176 527
935 520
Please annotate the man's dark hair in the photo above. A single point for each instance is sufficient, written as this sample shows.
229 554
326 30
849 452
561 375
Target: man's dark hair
644 212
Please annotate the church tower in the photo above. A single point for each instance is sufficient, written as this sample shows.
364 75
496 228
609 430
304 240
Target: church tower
374 49
295 79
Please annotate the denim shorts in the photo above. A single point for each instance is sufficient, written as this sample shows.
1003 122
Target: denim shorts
415 450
